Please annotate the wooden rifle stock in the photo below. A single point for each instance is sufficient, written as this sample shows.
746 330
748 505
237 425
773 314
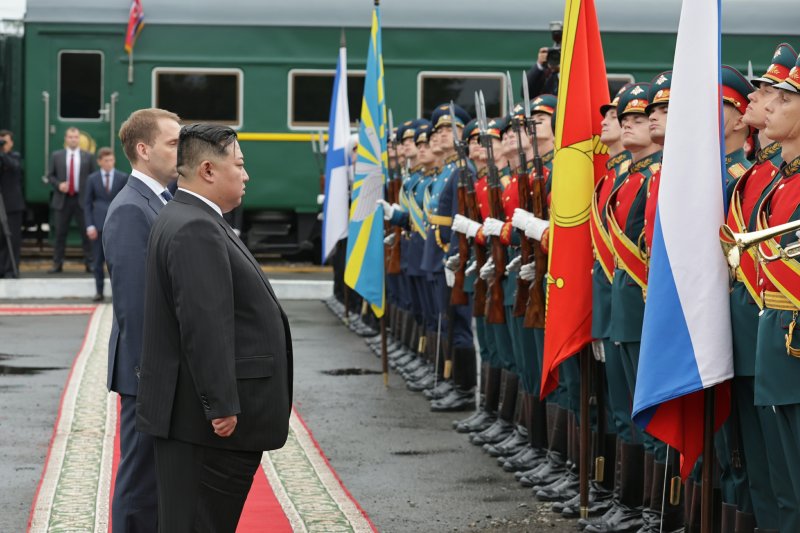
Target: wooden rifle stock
393 260
495 309
535 312
526 249
457 295
479 289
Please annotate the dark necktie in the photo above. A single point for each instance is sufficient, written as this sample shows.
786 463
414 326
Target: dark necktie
107 182
166 195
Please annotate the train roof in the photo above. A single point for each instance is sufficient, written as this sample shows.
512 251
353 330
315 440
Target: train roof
739 16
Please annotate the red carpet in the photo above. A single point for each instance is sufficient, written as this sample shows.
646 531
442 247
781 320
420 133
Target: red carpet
295 489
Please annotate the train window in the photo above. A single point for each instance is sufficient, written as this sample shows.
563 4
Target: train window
80 84
617 81
200 95
310 93
434 88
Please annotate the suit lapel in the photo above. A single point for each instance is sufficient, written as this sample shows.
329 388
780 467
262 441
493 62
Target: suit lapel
239 244
152 200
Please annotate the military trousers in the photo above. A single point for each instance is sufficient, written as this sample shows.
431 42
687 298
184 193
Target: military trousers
629 352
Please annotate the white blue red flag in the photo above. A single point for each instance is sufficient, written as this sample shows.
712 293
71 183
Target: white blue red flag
337 162
686 338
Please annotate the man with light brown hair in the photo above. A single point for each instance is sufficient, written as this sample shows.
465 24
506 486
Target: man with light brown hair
150 141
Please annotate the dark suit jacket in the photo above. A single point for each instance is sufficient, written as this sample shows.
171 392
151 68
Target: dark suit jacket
216 341
58 174
97 200
11 182
542 81
125 234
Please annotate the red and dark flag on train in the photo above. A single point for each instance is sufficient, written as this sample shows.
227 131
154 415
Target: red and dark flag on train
135 25
580 160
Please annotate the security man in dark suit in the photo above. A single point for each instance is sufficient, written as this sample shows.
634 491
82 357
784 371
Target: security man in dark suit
215 387
69 170
101 188
13 201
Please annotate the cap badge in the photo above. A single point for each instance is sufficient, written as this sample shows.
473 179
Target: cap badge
637 90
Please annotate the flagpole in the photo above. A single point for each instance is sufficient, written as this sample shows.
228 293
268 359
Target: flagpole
130 66
584 435
706 502
384 355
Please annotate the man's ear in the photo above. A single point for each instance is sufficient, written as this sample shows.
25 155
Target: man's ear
206 171
740 125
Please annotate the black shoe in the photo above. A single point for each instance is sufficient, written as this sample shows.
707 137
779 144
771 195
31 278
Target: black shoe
600 501
497 432
89 269
419 373
516 442
98 298
626 519
607 516
551 471
56 269
565 490
457 400
477 424
442 389
421 384
475 414
529 459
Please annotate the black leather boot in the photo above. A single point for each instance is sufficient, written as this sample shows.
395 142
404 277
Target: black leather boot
516 442
442 389
423 384
501 429
744 523
647 486
728 517
492 381
456 400
497 432
555 466
614 507
601 493
628 516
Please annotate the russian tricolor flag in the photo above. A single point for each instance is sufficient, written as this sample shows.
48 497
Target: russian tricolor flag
686 338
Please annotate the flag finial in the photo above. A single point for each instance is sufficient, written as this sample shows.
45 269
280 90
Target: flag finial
342 40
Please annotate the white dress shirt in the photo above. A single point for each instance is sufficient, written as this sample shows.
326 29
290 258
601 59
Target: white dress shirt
152 184
211 204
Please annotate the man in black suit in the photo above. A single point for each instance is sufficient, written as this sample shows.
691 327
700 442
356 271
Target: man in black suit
69 169
101 187
13 202
215 387
150 140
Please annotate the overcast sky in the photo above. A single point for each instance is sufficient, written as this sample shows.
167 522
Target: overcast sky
12 9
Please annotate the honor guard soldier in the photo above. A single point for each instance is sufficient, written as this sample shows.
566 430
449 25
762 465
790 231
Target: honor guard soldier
625 216
602 499
777 365
492 361
441 206
735 89
771 492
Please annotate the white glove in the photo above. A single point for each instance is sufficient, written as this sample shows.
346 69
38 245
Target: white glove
599 351
487 272
535 227
514 265
528 272
521 218
388 209
320 216
449 277
470 270
462 224
452 263
389 239
492 226
320 199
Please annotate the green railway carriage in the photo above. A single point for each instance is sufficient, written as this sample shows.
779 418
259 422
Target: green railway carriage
265 68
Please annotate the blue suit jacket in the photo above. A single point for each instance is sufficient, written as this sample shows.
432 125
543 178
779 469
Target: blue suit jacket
96 199
125 236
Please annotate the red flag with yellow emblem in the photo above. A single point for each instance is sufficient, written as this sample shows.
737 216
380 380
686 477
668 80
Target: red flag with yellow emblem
579 161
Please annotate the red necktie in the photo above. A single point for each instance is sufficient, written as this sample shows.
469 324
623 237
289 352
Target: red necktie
71 178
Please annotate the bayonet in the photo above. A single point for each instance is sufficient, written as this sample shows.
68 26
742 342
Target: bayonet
523 163
509 94
530 126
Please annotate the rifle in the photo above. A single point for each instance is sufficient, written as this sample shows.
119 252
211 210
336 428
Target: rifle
523 192
393 193
457 295
495 312
535 312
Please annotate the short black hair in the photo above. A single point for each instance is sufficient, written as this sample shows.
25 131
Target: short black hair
200 141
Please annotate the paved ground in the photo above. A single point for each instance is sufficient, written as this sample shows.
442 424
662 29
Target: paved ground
406 466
